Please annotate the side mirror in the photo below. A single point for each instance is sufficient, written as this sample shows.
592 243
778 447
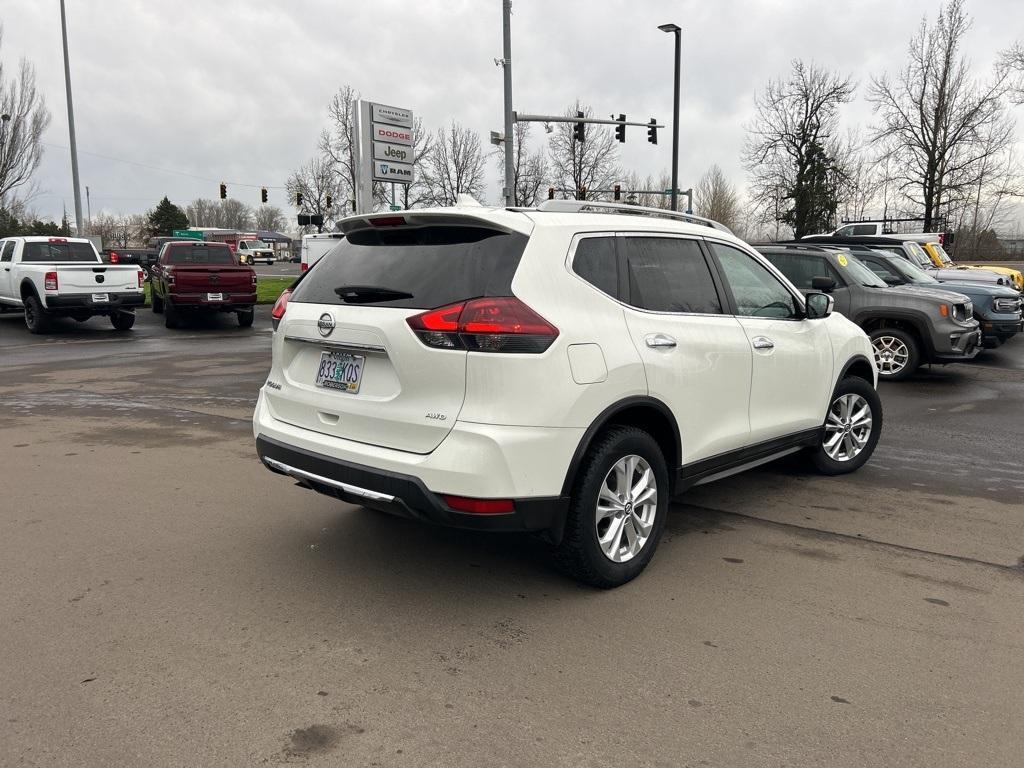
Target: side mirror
819 305
826 284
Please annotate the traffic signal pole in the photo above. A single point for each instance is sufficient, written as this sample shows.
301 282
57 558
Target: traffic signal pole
506 20
79 225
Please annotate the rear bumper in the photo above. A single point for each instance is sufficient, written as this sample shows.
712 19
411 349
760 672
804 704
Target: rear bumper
230 302
400 494
78 302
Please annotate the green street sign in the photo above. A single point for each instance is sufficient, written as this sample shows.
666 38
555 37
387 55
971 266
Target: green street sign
396 207
187 234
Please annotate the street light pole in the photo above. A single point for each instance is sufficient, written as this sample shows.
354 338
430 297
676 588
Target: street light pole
506 66
71 124
678 32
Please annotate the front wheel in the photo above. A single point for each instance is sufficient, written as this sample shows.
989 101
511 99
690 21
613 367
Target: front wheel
122 321
897 353
617 509
852 427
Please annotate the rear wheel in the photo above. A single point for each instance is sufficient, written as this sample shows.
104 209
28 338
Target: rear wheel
122 321
617 509
897 353
852 427
156 302
245 317
172 318
35 316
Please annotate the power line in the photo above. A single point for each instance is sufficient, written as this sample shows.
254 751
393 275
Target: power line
164 170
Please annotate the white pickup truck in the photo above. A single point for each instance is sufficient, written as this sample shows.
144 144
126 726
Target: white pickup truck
251 251
65 277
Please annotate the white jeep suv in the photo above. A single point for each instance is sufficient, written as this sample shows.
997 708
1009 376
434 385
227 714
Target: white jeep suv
563 370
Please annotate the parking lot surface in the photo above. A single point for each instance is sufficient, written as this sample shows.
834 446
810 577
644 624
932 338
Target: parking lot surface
167 601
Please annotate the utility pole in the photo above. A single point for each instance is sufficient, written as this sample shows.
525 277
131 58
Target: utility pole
88 209
80 230
506 11
678 32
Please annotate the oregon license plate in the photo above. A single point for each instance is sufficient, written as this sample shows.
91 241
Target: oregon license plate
98 297
215 297
340 370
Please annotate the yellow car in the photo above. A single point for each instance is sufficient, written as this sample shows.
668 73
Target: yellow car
941 259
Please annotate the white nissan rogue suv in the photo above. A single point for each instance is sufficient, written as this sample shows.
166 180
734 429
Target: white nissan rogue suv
564 370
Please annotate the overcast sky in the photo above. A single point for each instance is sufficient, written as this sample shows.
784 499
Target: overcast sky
237 91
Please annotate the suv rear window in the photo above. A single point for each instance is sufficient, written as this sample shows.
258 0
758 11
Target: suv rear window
199 254
414 267
43 252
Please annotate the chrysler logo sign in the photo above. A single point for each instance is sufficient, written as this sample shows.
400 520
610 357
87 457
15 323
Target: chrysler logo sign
325 324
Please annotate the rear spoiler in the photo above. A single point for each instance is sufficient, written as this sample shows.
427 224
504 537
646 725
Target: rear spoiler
468 216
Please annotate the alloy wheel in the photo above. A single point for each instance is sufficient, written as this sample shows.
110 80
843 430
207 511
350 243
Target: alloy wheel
891 354
626 507
847 427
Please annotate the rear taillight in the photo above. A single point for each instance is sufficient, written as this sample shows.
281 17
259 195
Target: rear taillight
281 305
479 506
254 280
114 258
500 324
142 278
50 281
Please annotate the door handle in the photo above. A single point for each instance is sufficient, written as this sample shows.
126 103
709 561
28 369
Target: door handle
659 341
762 342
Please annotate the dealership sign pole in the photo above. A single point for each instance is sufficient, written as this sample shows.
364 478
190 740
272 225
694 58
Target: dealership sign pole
384 149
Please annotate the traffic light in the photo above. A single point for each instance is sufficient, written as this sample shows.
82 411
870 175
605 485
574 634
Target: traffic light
298 199
223 191
551 193
652 132
330 201
263 194
617 191
580 130
620 131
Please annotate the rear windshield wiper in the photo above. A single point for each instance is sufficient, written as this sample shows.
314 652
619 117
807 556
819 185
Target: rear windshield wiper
365 294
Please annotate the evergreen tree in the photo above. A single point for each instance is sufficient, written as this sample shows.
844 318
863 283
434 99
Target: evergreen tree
164 219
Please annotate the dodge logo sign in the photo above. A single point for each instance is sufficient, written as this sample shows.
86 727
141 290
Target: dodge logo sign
325 324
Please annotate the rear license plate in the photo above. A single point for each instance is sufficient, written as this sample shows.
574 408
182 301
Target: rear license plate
340 370
98 297
215 297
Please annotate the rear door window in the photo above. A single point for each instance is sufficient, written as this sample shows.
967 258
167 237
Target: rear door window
8 251
669 274
415 267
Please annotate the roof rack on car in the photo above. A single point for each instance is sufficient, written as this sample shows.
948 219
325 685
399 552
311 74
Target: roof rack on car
593 206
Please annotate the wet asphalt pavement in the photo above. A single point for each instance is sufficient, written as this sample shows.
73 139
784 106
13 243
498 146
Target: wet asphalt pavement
166 601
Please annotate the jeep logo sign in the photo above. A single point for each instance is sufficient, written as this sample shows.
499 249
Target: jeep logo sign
392 134
394 152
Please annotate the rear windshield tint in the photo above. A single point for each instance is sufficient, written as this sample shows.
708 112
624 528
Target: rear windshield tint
40 252
199 254
414 267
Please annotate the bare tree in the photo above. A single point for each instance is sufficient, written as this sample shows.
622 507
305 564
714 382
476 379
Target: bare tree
316 181
716 198
1012 62
202 212
792 147
338 141
934 116
234 214
529 169
25 118
416 194
269 217
590 165
454 166
116 231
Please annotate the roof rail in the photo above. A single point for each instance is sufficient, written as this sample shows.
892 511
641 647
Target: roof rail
594 206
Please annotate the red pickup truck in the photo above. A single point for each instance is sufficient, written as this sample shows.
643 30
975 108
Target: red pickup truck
192 276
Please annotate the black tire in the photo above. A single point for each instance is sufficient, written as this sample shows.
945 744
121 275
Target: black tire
894 337
35 316
172 318
122 321
155 301
580 555
855 386
245 317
